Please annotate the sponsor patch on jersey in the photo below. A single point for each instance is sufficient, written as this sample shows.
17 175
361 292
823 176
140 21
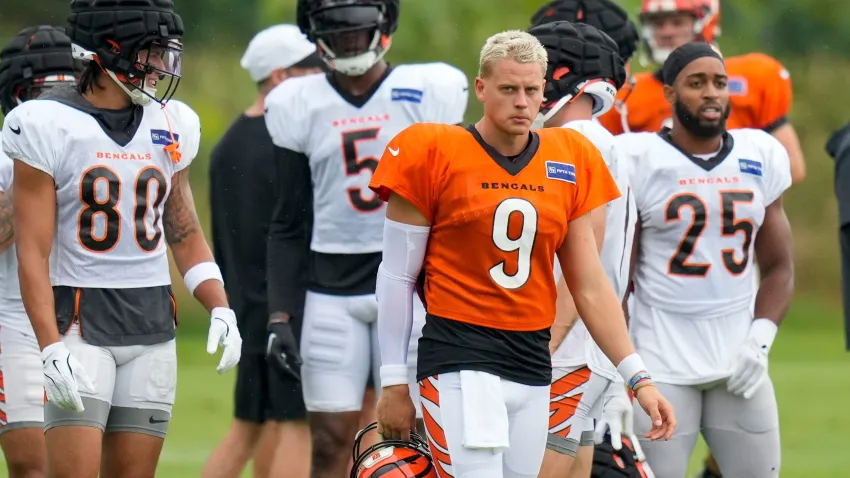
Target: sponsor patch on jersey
163 137
737 86
561 171
748 166
407 94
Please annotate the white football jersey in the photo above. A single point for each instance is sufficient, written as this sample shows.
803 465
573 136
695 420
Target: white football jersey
12 313
620 219
344 142
110 198
699 219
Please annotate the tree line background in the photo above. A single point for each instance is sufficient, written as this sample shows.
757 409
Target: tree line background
811 38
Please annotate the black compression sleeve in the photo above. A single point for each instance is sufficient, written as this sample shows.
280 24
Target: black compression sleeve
289 234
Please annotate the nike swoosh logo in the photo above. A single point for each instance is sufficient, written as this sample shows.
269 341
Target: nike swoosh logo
152 420
16 131
394 152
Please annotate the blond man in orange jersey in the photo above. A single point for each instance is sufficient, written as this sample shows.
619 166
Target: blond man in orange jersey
476 215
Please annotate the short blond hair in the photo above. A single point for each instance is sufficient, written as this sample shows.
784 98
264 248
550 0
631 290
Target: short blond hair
515 45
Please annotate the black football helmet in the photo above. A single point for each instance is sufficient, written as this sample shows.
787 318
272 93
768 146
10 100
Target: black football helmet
582 60
627 462
605 15
351 35
35 60
392 458
137 43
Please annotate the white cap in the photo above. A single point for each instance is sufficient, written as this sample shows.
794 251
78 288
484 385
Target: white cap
280 46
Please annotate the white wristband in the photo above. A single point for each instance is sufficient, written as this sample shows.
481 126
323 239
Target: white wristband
393 375
763 331
631 366
201 273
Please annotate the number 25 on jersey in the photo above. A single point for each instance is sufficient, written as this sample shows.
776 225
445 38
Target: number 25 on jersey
680 263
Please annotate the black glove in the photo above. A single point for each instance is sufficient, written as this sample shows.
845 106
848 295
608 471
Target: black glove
282 351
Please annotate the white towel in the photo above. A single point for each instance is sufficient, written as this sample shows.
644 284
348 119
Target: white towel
485 415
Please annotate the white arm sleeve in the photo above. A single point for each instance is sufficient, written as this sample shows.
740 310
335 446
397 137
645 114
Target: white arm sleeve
404 252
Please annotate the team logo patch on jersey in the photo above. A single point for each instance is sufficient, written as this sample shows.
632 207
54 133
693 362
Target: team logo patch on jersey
407 94
737 86
748 166
561 171
160 136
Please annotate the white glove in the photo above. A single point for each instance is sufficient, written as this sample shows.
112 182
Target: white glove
750 368
63 377
223 331
617 417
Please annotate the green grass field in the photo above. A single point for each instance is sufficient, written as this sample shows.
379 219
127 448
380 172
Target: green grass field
808 365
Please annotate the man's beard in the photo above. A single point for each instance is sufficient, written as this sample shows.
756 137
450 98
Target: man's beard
692 123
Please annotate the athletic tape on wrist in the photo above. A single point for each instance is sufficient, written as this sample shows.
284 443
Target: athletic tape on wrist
630 367
764 332
201 273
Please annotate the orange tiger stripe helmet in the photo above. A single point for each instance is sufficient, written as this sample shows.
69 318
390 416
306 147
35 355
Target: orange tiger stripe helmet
392 458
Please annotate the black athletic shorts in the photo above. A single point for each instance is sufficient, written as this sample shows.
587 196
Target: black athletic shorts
261 395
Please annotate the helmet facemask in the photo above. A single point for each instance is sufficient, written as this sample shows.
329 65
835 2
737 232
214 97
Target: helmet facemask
154 75
351 38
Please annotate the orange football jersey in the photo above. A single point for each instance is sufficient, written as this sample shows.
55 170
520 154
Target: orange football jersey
496 223
759 90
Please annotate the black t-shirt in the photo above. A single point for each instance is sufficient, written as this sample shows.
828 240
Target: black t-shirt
242 196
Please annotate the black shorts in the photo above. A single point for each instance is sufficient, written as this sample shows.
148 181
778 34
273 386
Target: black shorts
261 394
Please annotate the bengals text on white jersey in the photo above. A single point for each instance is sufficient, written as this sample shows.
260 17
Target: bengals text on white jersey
344 141
699 217
110 198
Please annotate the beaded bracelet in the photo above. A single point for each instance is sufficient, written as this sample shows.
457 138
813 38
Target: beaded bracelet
639 377
643 383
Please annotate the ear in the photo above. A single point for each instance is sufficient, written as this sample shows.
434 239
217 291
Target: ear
479 88
669 94
277 76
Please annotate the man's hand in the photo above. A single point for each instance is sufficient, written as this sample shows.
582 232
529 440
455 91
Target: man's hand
396 413
750 369
63 377
223 331
659 410
282 351
617 417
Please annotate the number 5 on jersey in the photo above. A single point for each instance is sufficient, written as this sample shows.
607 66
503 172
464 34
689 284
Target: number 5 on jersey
355 165
522 244
105 206
679 263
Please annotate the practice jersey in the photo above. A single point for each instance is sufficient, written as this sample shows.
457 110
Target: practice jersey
620 219
343 137
759 91
699 218
110 197
496 224
12 313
